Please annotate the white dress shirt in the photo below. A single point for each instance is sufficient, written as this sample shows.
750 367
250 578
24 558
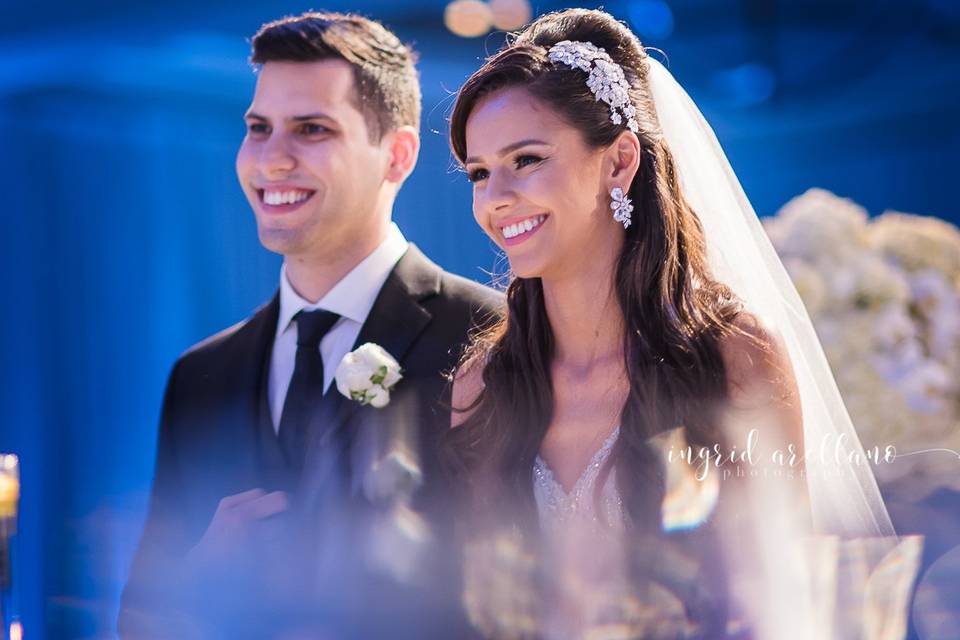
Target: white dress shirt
352 298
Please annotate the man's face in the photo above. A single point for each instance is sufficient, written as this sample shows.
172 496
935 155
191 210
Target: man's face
307 166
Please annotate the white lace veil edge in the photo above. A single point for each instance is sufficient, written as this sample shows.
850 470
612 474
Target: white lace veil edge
844 496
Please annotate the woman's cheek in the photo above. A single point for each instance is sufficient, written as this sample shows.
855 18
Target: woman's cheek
483 222
493 235
544 183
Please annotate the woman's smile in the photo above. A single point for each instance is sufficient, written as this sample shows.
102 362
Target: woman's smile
516 230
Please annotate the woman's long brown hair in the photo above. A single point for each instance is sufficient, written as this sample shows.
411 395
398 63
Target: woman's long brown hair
675 312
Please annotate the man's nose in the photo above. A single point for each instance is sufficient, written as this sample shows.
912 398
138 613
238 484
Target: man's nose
276 156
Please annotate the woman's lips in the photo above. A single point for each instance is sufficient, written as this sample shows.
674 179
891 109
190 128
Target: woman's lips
521 229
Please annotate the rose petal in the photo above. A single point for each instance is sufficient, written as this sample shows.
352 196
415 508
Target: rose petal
379 397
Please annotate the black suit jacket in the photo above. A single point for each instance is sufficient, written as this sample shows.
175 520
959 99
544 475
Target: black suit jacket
314 566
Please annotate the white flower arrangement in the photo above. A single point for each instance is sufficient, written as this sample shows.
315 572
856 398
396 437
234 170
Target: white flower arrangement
368 374
884 295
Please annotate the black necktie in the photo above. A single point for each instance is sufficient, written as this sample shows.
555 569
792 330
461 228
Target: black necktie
306 385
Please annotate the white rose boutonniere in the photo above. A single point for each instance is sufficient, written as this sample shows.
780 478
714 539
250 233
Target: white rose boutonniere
368 374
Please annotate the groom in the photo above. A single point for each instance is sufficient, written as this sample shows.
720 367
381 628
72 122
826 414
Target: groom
278 504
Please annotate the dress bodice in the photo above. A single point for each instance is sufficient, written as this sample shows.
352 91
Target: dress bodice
586 563
556 507
583 552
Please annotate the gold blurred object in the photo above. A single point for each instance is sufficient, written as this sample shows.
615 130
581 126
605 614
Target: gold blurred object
692 490
510 14
500 593
16 631
9 485
468 18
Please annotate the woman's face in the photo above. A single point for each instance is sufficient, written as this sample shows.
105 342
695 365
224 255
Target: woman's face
538 190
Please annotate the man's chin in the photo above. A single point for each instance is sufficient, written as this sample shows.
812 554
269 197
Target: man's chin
282 241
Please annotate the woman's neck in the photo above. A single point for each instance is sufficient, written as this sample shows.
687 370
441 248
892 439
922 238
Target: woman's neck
585 316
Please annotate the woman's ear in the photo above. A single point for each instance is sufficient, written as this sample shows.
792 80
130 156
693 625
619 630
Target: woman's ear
623 161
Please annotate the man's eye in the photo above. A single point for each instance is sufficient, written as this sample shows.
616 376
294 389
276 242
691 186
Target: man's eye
477 174
312 129
523 161
257 127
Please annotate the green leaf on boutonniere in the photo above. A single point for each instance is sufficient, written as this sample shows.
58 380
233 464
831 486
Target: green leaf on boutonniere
380 375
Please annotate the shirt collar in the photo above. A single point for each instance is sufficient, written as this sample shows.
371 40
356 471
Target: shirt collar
353 296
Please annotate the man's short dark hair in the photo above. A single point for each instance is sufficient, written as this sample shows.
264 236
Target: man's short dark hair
387 89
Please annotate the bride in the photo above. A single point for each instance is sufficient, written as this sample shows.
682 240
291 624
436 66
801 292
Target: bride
636 437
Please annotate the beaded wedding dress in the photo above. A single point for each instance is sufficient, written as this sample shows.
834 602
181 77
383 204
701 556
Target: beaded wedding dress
582 534
557 508
587 554
685 592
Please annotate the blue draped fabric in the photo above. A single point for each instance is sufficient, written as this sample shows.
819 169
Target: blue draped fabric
125 237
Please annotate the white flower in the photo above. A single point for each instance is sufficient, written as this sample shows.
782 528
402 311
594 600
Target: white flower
918 242
820 228
884 295
938 302
368 374
868 281
810 284
893 328
376 396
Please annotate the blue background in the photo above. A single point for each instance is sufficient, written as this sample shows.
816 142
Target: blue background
126 237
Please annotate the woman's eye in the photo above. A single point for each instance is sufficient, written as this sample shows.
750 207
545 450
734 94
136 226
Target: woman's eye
523 161
477 175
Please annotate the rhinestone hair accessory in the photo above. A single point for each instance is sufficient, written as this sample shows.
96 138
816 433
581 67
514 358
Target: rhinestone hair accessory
606 79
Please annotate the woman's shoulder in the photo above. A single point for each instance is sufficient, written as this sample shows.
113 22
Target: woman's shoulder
467 387
756 358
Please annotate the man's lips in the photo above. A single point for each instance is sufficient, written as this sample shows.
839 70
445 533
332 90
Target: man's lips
283 197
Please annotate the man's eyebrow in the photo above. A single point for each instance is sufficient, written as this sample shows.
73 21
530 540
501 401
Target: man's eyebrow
252 115
510 147
318 115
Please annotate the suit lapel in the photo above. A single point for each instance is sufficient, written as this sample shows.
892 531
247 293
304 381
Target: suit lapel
244 377
395 321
